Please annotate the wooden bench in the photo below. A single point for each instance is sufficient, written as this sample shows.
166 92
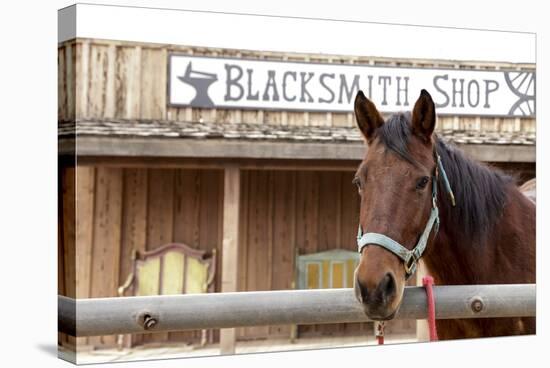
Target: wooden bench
170 269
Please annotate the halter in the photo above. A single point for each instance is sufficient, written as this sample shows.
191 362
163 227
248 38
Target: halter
410 258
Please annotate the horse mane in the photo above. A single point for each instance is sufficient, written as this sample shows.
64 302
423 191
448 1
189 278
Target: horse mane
480 191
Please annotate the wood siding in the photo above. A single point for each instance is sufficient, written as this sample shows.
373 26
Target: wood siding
103 79
106 211
284 212
120 209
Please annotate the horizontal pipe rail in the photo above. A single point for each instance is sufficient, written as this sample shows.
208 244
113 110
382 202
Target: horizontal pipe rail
105 316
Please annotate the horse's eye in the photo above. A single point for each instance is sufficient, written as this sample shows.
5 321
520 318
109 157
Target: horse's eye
422 182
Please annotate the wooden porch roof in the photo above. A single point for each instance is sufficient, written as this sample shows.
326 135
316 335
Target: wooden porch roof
154 138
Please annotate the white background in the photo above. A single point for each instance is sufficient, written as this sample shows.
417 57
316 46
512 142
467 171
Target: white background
295 34
28 181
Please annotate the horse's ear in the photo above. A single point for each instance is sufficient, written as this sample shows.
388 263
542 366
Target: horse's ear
368 117
423 116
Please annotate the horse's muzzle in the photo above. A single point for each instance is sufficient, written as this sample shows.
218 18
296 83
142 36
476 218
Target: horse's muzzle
377 302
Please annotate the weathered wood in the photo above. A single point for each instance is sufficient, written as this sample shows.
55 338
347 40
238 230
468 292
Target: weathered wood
153 83
82 78
229 310
283 237
160 219
220 163
70 80
134 218
147 64
62 337
329 226
85 188
243 239
62 88
102 261
68 198
187 201
210 217
128 82
219 148
69 230
259 217
98 78
106 239
230 253
307 219
110 83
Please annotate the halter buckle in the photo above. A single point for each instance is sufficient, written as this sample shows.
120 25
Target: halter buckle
410 265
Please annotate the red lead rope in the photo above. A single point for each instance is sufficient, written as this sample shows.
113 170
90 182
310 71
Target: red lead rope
428 283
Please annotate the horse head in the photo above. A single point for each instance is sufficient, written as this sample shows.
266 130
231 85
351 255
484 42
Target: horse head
397 184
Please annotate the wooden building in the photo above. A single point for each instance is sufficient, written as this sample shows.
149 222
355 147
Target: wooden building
259 185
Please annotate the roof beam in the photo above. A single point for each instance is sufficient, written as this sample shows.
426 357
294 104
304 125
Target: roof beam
246 149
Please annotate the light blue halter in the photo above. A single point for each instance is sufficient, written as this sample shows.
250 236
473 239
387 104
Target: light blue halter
410 258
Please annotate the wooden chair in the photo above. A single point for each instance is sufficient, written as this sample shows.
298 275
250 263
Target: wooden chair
170 269
329 269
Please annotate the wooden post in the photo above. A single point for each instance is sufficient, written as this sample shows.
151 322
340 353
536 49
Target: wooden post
231 201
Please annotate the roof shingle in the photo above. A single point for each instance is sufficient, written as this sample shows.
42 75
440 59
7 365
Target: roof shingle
254 132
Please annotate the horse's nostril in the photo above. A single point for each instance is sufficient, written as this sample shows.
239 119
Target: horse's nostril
362 290
387 286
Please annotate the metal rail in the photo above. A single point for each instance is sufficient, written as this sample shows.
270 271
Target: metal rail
104 316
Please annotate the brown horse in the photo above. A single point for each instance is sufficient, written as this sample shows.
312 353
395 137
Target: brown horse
486 232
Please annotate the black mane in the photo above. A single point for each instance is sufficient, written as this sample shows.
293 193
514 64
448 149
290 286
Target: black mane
480 191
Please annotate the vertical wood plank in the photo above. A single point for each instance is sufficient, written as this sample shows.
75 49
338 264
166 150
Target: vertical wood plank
134 218
212 192
159 220
85 188
219 218
82 79
61 337
257 263
209 208
186 224
230 254
283 237
134 225
153 83
329 231
243 239
70 77
68 233
97 84
61 83
110 83
128 82
308 211
187 207
307 220
160 207
106 239
329 210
